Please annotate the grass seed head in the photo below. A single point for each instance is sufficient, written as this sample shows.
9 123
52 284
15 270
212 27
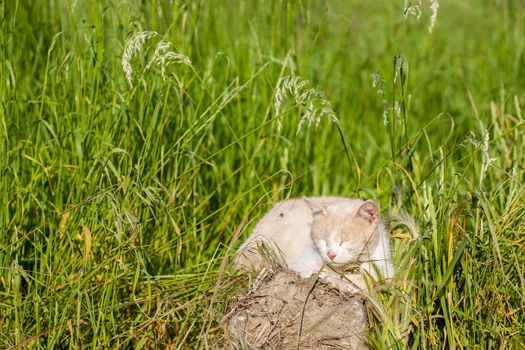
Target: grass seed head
134 45
483 146
412 8
434 6
164 56
378 84
312 102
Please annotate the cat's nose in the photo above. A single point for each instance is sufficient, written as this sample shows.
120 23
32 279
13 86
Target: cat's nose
331 254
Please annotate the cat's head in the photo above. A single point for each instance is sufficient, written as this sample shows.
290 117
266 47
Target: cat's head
342 233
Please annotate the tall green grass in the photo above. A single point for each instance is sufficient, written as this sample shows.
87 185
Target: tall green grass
120 203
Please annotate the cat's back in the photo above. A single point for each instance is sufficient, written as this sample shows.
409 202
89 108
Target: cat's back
335 200
292 218
292 215
286 230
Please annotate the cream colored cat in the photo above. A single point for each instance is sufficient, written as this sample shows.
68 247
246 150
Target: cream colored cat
311 233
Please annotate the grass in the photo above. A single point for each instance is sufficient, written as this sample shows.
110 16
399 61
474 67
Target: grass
121 203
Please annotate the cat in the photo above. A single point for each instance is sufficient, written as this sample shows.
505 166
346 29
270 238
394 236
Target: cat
322 234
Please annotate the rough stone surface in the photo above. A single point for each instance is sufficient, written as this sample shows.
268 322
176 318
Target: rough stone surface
273 315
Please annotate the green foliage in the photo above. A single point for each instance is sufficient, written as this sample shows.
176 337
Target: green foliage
120 203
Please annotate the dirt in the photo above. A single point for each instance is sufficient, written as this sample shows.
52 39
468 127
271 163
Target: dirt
285 311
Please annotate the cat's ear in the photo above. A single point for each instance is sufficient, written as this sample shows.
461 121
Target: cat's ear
369 211
317 209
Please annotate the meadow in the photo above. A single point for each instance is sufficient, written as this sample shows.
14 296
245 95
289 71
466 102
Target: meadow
141 141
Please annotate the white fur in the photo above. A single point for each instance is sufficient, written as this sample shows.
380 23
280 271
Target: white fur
287 229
